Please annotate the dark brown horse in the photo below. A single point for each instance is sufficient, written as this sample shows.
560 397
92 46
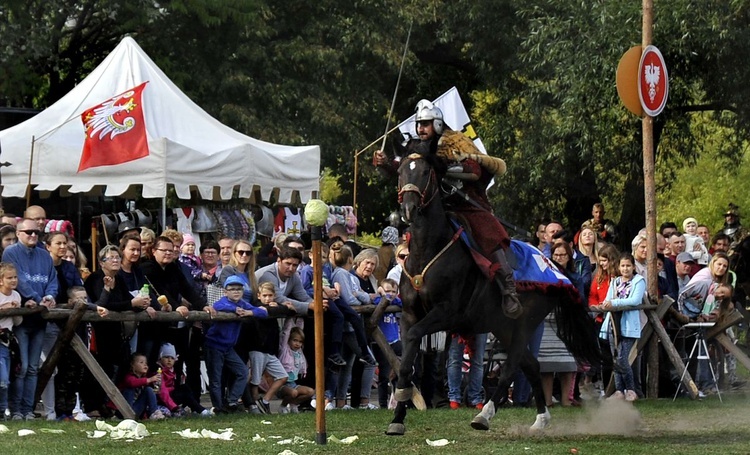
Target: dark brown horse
443 289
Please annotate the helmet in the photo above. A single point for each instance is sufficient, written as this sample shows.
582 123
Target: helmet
426 110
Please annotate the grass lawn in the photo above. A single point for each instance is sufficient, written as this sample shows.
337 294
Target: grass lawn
658 427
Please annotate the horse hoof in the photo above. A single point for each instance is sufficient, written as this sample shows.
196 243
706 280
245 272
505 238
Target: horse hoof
542 421
396 429
404 394
480 423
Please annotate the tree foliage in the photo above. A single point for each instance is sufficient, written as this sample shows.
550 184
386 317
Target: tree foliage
537 76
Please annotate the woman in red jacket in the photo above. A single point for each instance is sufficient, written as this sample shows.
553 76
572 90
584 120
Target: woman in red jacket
606 269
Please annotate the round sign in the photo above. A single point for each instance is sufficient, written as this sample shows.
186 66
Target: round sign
653 83
627 80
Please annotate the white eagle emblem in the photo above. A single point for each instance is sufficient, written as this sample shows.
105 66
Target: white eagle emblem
652 74
103 120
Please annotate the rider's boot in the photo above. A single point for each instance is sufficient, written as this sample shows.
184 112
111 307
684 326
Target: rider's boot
504 276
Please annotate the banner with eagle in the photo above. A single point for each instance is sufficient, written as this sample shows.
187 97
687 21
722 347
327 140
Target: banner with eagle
115 131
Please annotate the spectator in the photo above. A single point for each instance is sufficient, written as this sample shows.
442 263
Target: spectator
295 364
137 389
148 237
389 325
694 243
173 393
402 252
627 289
37 285
221 338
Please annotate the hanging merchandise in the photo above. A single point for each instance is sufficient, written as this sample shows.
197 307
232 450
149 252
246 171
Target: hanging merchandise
185 216
205 220
263 217
343 215
290 221
232 223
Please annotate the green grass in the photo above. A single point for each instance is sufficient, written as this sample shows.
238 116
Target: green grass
659 427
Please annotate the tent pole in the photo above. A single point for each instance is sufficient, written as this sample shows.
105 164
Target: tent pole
164 213
31 163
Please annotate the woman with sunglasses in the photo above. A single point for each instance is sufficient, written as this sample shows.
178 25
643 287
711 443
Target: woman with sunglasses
402 253
242 265
67 277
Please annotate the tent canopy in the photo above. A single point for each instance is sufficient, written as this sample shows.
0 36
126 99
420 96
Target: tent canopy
187 147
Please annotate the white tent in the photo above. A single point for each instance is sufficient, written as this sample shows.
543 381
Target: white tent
188 148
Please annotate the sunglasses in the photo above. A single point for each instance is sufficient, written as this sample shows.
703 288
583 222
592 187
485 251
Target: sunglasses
30 231
403 256
244 252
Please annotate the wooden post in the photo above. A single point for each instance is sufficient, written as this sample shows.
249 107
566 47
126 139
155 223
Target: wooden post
672 353
101 377
62 342
320 383
649 189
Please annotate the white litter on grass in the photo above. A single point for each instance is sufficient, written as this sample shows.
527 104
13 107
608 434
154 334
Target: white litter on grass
298 440
25 432
258 438
3 429
348 440
439 442
189 434
127 429
96 434
287 452
275 437
225 434
52 430
266 422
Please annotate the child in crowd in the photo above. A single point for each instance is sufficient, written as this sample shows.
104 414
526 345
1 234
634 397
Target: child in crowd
389 325
70 369
173 393
192 261
627 289
221 337
137 388
9 298
295 364
262 343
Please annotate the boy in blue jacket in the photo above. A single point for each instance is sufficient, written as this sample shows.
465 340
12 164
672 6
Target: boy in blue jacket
221 338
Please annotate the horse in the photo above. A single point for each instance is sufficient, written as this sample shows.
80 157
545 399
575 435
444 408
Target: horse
442 289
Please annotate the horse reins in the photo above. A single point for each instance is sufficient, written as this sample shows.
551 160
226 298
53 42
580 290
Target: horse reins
412 188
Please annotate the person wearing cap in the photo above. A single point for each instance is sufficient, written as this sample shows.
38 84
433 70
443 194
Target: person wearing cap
679 276
127 227
386 253
221 338
173 393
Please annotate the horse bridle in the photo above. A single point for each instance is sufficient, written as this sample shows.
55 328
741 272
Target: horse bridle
412 188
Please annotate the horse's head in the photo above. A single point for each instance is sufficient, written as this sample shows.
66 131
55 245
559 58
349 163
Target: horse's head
417 184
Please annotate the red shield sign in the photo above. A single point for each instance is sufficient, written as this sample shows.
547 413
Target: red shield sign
653 82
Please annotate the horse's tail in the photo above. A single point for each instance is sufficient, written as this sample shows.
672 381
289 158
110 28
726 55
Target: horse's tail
577 330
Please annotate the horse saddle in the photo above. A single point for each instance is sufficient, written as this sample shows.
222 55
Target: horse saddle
467 238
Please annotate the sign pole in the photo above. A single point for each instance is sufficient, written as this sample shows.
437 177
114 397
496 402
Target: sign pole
648 166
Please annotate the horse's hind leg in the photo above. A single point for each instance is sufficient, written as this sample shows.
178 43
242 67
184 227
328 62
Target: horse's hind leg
530 367
482 420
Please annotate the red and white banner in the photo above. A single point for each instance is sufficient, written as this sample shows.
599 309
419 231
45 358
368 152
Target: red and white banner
115 131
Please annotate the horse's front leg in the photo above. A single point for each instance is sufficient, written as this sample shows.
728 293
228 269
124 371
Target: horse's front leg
433 322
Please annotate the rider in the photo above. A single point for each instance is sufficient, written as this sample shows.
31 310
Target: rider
471 172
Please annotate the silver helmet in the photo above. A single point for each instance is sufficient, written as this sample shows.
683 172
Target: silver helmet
426 110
